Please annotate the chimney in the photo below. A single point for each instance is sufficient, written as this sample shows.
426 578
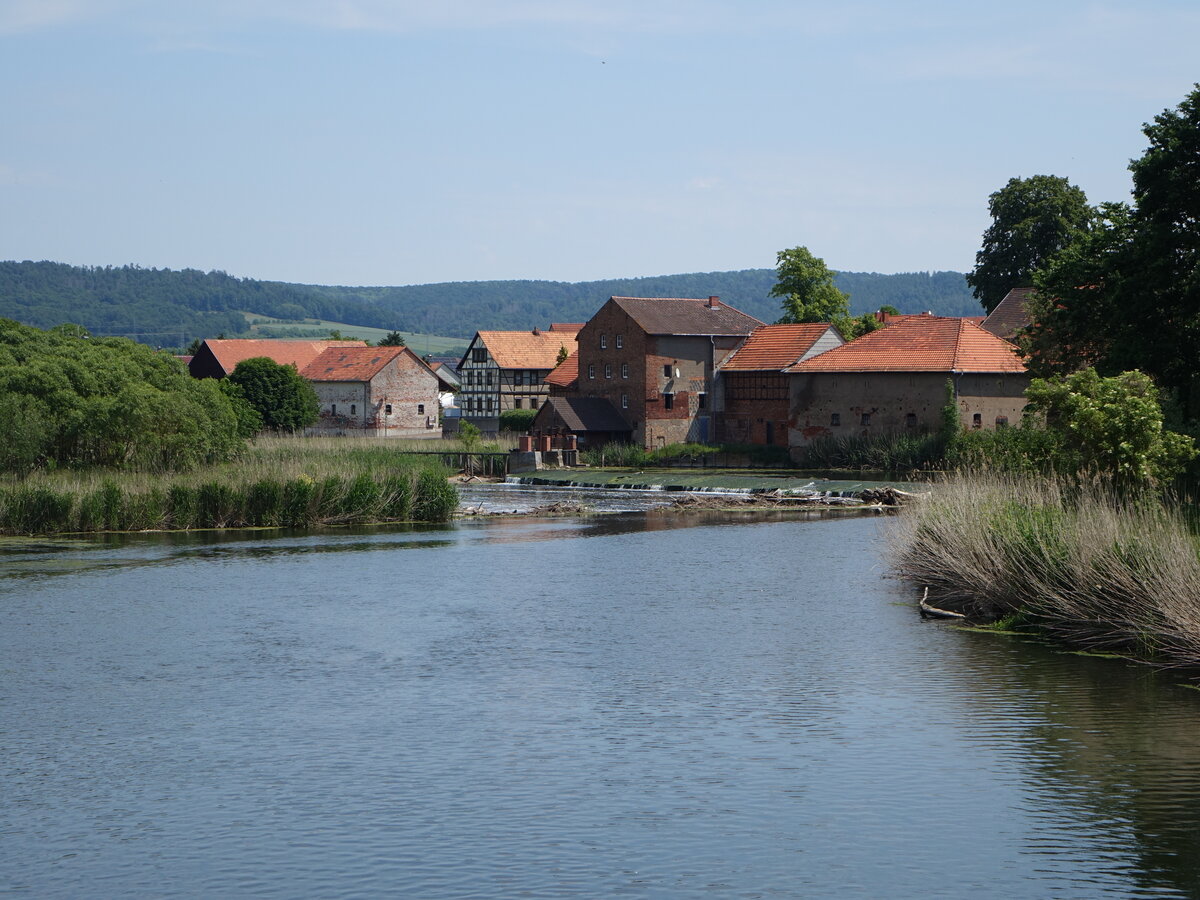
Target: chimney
714 302
537 330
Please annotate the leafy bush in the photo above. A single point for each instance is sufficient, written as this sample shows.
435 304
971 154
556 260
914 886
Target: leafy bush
517 420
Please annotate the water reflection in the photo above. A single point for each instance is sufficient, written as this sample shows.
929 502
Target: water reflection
651 704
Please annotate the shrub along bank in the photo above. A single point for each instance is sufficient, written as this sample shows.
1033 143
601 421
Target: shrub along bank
293 483
1099 568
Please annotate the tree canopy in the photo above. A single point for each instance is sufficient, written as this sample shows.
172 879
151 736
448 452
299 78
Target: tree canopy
68 399
806 286
1032 219
1126 294
392 339
283 399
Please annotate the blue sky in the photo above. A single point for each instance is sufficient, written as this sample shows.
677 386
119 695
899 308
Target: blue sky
373 142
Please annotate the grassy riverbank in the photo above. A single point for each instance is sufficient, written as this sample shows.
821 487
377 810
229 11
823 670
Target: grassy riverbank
1098 570
278 482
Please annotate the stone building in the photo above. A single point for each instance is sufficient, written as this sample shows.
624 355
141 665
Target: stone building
894 380
754 387
374 392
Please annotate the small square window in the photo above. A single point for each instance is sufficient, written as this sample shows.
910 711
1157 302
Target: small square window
420 409
517 403
702 401
910 420
479 354
866 419
666 371
1001 421
353 409
977 420
835 419
668 401
533 402
387 409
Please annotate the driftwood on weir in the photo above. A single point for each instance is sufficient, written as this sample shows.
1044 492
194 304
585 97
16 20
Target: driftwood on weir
932 612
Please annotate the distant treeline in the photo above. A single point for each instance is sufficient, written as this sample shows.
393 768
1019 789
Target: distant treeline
169 308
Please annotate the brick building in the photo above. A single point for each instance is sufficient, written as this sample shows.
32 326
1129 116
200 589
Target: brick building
504 370
894 380
655 360
375 392
754 387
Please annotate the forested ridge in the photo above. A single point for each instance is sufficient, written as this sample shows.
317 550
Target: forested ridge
169 308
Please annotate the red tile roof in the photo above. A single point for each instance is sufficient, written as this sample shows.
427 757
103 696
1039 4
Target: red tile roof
535 349
775 347
566 373
229 353
572 327
686 316
920 344
351 363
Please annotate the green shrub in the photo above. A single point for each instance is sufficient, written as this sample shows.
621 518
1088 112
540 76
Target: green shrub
362 499
396 502
264 503
299 502
517 420
434 499
35 510
182 507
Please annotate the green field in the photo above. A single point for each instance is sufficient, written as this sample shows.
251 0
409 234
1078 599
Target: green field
422 344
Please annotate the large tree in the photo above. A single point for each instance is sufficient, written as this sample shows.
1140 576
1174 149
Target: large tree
284 399
1127 294
1032 219
806 285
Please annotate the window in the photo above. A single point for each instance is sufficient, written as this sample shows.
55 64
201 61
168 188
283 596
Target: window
533 402
420 409
489 404
1001 421
517 403
387 409
487 377
866 419
591 370
624 401
333 409
835 419
977 420
604 342
910 421
479 354
470 377
666 371
353 409
608 370
668 401
624 370
702 401
620 341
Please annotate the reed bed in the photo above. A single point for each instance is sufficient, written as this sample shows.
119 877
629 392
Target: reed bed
278 482
1100 570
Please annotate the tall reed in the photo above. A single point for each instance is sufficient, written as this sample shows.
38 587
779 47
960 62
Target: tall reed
1099 569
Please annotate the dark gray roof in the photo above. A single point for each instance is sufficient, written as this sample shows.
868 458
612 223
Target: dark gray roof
1009 314
586 414
679 315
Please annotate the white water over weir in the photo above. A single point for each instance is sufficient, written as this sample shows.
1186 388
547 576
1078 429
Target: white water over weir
809 491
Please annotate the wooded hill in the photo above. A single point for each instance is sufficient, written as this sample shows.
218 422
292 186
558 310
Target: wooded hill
169 308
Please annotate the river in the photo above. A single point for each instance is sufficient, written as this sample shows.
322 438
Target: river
647 705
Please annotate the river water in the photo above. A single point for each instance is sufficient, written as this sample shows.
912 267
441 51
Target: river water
649 705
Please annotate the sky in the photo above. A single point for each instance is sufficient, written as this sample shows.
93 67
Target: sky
388 142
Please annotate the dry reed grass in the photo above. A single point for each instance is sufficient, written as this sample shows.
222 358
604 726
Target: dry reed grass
1098 569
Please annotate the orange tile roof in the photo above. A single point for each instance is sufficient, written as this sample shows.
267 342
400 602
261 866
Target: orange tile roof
572 327
229 353
535 349
920 344
775 347
566 373
351 363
